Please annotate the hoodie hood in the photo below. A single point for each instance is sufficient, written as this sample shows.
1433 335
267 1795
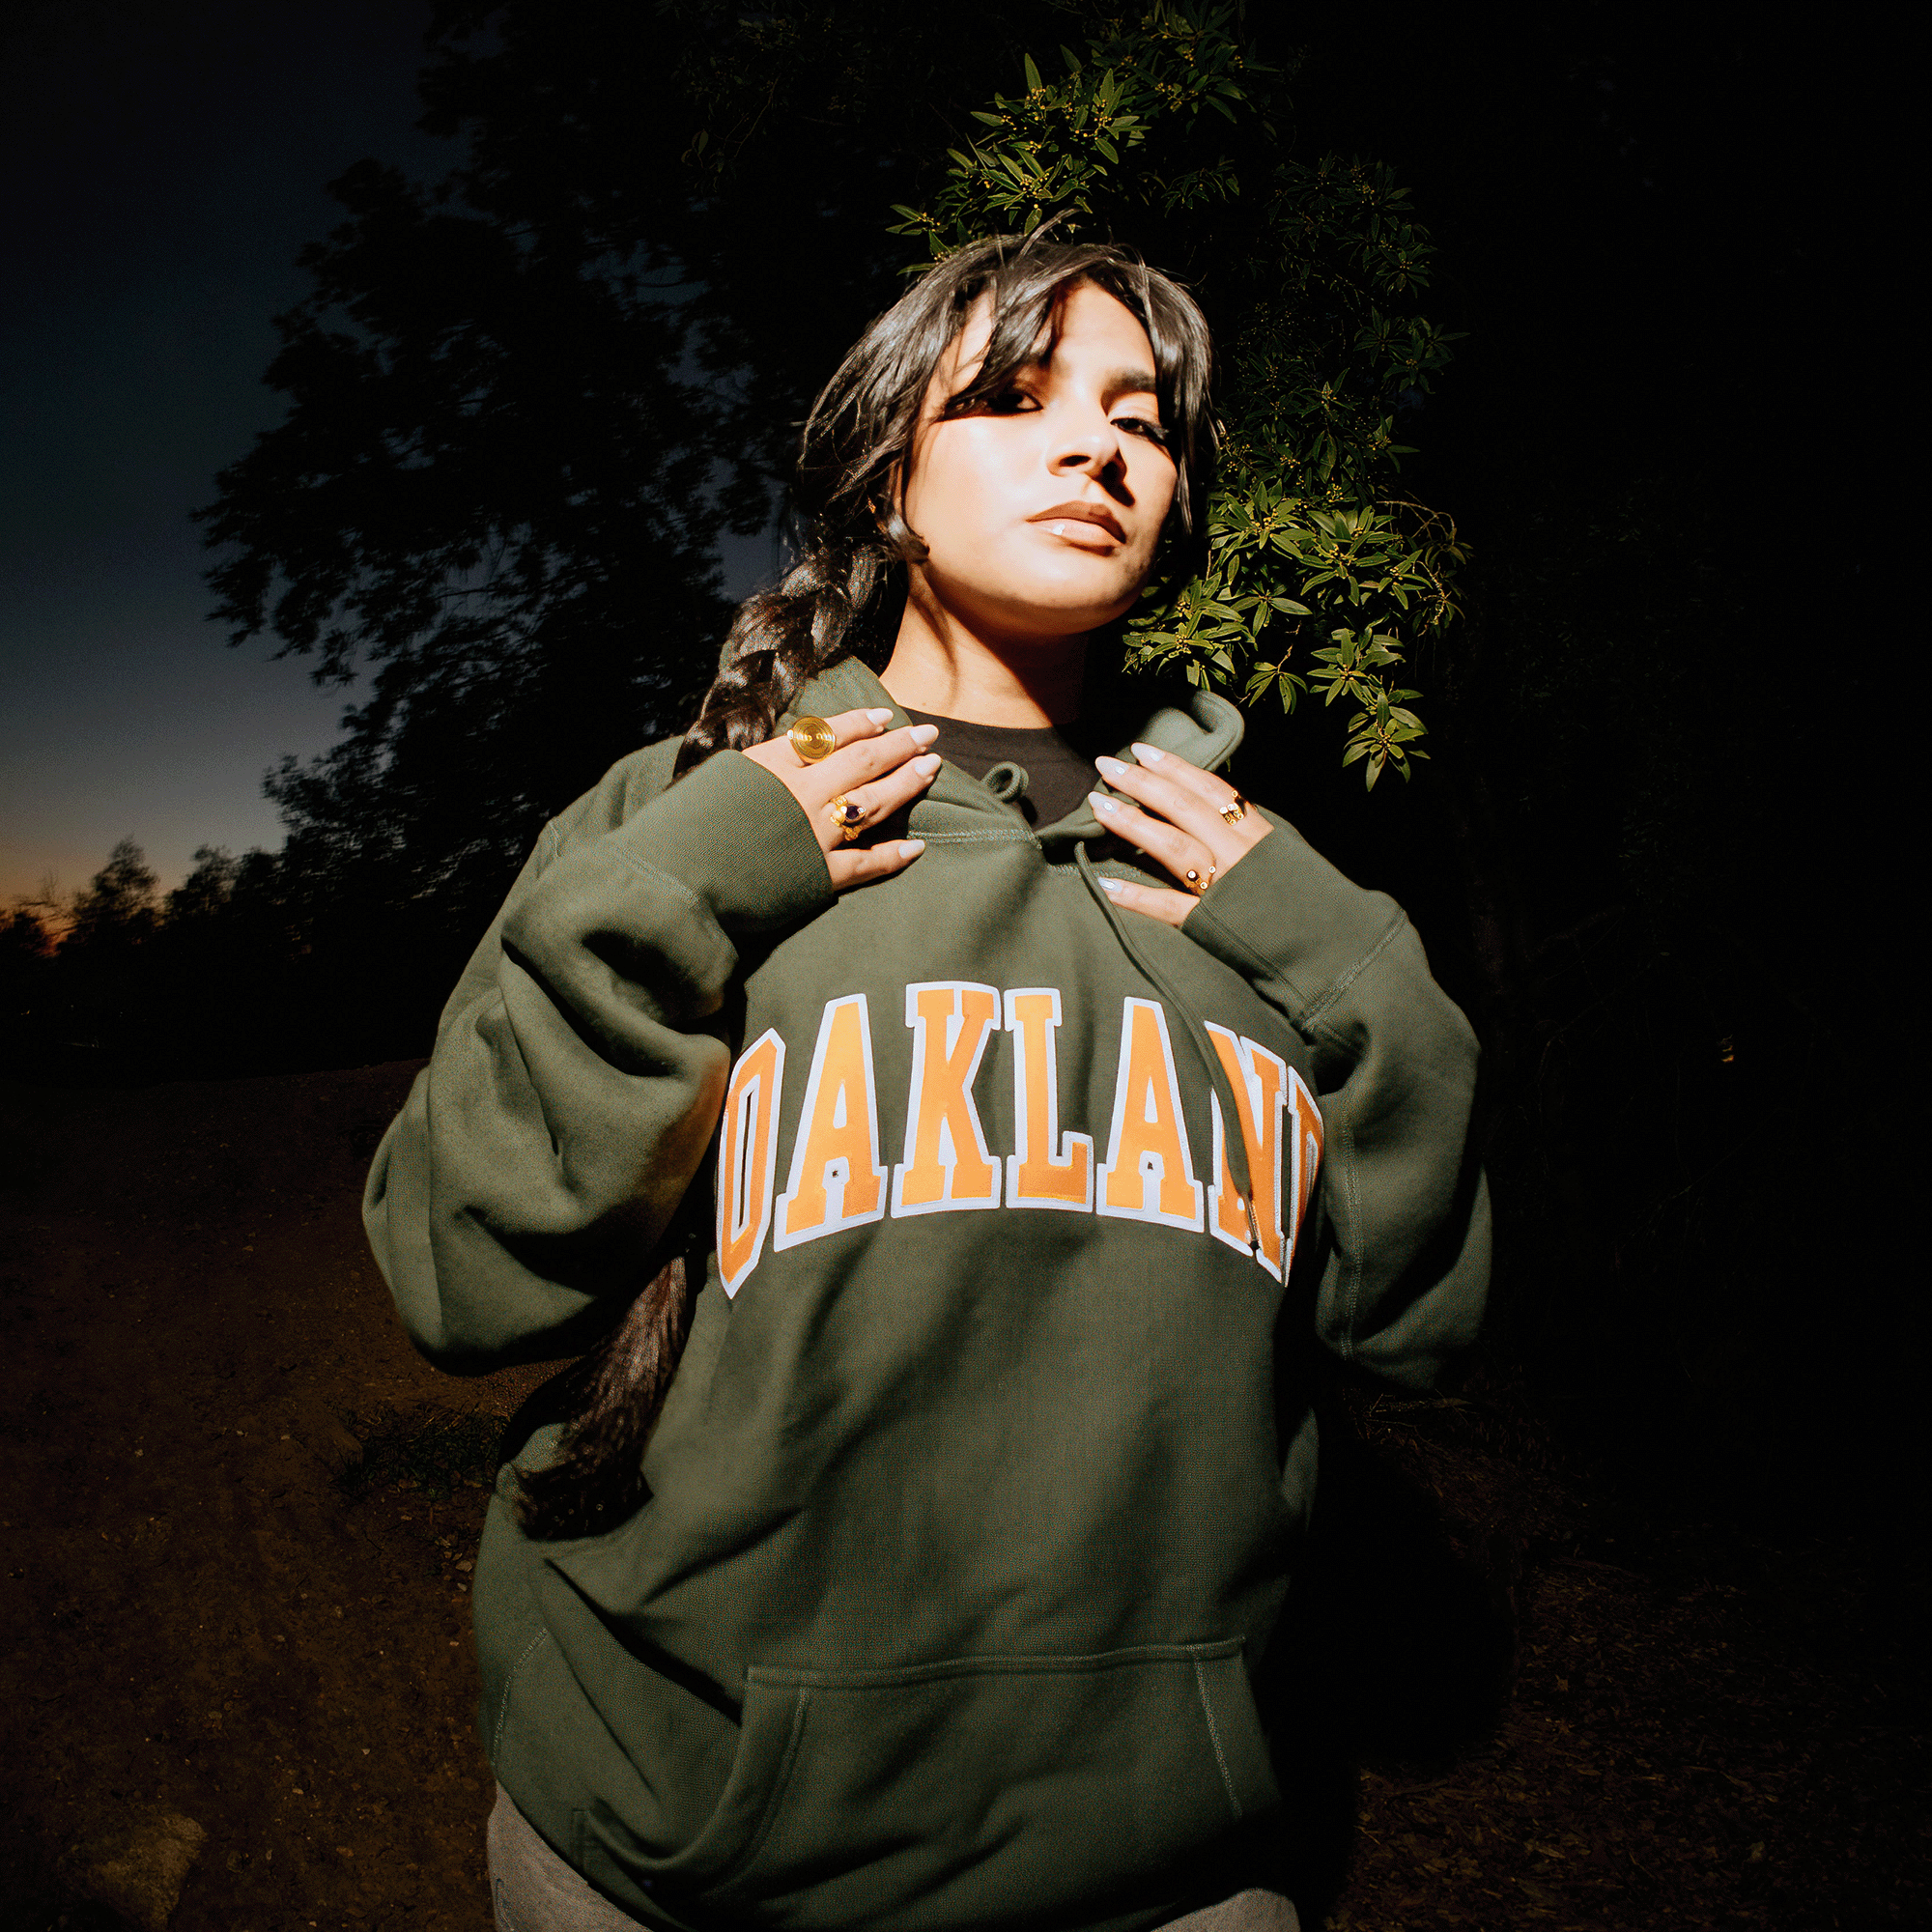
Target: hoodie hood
1199 726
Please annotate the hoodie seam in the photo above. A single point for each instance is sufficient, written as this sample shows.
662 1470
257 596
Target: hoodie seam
658 876
509 1687
1307 1010
1347 980
978 837
1214 1739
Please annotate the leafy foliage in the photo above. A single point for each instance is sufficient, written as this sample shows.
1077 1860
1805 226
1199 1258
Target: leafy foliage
524 403
1312 273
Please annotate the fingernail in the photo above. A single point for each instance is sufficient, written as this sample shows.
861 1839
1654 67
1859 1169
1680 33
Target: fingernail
1148 755
927 765
1107 804
924 734
1110 768
911 849
878 716
1113 885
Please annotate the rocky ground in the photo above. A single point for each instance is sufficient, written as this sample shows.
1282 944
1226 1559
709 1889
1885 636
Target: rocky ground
237 1682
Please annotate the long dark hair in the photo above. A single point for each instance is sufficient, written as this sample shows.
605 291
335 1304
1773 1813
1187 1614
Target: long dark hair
844 592
843 596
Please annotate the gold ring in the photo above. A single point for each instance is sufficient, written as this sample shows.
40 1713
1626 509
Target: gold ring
812 739
1236 809
1195 884
846 815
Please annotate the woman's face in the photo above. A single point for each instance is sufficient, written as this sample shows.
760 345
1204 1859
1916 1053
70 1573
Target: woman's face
1041 508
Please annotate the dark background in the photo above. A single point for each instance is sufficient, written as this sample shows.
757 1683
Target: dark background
1657 850
163 164
1651 851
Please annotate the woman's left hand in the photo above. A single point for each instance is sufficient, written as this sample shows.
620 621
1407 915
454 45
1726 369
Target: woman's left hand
1192 822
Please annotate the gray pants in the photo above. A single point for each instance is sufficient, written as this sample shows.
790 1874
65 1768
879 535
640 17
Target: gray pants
534 1891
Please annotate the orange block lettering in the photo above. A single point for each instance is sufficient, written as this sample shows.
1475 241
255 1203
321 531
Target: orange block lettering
747 1158
1051 1169
1307 1159
1260 1080
1149 1174
836 1180
945 1163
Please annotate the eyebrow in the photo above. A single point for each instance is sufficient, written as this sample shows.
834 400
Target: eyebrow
1121 381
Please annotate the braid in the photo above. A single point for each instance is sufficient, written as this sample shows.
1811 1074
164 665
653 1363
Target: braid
783 638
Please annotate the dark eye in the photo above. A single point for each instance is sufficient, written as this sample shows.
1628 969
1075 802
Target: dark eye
1141 426
1010 401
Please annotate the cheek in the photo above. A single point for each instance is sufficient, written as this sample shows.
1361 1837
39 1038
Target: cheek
966 486
1154 486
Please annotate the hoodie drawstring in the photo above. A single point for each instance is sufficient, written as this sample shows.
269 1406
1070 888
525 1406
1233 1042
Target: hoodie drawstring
1231 1136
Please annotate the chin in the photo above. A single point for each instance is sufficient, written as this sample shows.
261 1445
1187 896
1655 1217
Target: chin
1051 619
1066 597
1079 599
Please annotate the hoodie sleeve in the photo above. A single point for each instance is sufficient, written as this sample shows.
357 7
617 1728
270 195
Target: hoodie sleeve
581 1063
1407 1203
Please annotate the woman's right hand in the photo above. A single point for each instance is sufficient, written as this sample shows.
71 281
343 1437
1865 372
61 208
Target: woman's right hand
876 770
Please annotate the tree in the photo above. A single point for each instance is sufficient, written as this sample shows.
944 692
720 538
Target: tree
207 891
524 404
120 907
1312 274
26 959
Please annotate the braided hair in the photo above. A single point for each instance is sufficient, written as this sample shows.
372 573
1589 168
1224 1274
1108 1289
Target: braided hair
843 596
844 593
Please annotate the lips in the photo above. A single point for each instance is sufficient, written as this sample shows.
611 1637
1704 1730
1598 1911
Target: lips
1101 523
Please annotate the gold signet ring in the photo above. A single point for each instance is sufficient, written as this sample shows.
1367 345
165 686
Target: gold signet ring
1236 809
812 739
846 815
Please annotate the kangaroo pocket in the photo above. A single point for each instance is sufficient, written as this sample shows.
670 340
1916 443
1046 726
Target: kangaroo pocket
979 1790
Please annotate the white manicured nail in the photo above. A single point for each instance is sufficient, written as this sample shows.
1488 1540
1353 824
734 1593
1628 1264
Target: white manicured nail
1099 804
927 765
1110 768
911 849
880 717
925 734
1148 755
1113 885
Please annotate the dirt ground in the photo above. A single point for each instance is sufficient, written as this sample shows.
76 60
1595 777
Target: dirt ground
239 1686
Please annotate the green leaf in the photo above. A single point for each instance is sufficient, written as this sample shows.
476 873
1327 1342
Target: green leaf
1306 523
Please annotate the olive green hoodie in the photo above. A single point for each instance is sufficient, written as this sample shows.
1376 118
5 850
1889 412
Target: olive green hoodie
974 1499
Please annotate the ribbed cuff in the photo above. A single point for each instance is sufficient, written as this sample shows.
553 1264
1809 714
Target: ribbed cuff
735 837
1286 916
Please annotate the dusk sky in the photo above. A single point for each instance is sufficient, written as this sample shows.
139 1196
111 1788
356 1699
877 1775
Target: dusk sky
166 162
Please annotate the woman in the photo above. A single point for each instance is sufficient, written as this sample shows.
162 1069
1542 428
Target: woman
988 1139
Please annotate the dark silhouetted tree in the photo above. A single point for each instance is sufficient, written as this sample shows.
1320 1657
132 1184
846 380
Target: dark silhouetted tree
120 908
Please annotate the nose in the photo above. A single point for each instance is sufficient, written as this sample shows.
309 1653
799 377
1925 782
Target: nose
1090 446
